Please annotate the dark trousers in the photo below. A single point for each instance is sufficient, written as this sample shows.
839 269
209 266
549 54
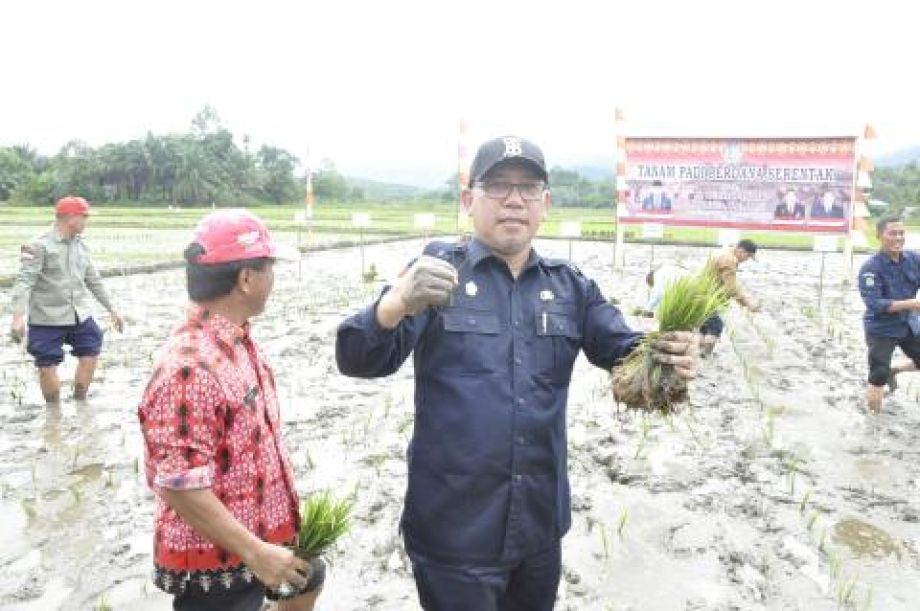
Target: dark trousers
46 343
880 351
241 596
527 585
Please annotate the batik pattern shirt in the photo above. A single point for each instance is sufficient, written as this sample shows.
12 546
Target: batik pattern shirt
210 419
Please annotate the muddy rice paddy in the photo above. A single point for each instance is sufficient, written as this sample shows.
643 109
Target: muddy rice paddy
772 489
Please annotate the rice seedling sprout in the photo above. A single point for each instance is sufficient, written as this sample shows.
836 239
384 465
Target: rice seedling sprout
103 603
621 523
324 519
845 592
603 531
805 498
834 566
867 600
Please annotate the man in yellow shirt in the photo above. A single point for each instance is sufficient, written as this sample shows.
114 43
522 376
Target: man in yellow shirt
725 267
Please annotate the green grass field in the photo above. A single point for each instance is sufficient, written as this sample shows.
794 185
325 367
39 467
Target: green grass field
385 219
128 235
122 237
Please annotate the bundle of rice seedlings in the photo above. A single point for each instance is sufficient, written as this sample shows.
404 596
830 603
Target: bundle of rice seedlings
640 381
323 521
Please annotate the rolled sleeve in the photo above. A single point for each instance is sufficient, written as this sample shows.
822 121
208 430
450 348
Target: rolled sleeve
180 428
880 305
31 258
190 479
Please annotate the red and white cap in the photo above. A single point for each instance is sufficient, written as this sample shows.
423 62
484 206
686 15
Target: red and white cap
235 235
71 205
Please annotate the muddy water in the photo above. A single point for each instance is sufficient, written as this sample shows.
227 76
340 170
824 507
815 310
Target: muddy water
773 490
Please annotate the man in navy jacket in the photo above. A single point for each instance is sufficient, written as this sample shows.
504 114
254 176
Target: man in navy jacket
495 329
888 284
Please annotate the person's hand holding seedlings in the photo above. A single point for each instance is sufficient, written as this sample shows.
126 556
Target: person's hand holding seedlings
681 350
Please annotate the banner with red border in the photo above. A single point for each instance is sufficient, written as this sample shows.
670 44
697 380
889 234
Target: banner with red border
787 184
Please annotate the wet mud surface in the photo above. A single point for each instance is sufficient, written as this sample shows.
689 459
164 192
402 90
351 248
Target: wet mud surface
772 489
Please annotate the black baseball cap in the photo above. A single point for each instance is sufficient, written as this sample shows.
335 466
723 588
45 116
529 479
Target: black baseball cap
495 151
748 246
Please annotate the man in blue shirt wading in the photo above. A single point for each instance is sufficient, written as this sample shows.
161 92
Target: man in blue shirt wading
888 283
495 329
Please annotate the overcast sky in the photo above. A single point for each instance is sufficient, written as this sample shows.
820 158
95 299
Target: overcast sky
380 87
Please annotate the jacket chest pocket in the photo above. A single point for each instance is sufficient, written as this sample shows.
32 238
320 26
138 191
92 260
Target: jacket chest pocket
558 340
471 340
52 260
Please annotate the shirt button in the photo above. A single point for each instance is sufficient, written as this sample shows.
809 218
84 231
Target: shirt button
517 323
517 479
520 400
521 441
517 360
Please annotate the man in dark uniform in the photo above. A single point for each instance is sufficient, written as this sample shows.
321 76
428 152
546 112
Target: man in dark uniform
888 284
495 329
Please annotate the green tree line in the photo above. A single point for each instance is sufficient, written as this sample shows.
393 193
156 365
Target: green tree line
572 189
201 166
900 187
208 164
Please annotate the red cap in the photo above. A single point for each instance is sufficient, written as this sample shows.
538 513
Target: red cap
233 235
71 205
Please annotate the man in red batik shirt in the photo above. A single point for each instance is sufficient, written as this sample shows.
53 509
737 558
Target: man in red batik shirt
226 502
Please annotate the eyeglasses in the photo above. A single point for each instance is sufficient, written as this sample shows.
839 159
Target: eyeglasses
529 191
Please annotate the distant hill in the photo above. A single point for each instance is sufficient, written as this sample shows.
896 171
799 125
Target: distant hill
591 172
379 191
898 158
422 175
402 184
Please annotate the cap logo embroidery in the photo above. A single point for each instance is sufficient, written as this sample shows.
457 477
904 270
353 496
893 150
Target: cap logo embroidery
513 147
248 239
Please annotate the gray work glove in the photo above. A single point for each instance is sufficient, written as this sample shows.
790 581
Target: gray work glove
429 281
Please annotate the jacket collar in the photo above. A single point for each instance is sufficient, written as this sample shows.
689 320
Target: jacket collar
477 252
